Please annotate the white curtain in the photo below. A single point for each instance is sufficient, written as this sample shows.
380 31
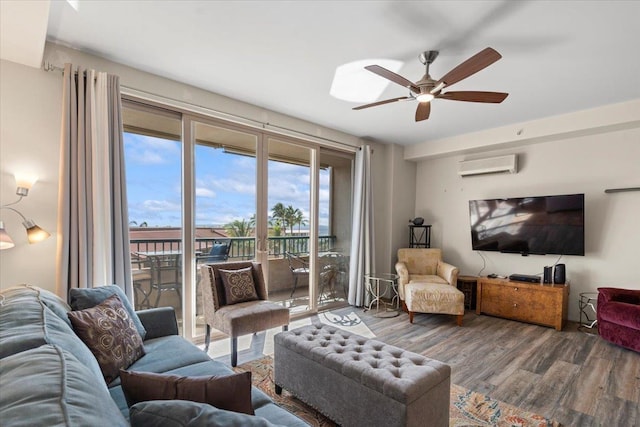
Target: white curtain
93 244
362 237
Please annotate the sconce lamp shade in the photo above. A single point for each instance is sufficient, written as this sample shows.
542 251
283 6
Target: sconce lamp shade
5 240
24 182
35 234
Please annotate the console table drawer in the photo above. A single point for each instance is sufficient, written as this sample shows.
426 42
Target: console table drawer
533 303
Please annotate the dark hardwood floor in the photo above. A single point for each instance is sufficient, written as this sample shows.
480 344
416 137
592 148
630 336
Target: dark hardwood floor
571 376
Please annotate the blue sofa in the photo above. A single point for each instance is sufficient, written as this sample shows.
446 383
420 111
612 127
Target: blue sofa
49 377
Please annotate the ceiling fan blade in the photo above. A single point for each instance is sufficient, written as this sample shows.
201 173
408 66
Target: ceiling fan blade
471 66
423 111
390 75
474 96
386 101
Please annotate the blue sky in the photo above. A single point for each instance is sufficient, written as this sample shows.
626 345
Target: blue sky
225 184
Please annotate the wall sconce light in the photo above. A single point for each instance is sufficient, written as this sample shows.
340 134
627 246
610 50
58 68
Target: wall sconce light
34 233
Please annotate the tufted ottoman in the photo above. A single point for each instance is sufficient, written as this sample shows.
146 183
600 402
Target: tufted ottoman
357 381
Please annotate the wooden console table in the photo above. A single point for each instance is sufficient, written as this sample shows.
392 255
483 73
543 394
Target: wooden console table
527 302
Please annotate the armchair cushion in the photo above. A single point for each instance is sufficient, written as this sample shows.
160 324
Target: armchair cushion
238 285
420 261
249 317
213 280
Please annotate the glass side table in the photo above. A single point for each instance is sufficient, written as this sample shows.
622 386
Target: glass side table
588 306
379 286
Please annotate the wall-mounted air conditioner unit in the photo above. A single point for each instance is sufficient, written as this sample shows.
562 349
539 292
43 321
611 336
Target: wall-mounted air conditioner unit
490 165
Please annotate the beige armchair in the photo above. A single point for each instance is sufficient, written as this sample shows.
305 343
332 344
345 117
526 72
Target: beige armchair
254 314
426 284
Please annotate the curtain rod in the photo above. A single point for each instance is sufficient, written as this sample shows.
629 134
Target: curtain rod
49 67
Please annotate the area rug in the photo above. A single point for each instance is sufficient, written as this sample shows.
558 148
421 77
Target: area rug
467 408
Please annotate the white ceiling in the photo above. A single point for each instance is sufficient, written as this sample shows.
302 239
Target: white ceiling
558 56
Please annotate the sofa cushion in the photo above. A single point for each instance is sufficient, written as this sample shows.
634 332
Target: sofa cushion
81 299
182 413
165 354
238 285
48 386
107 329
27 322
54 303
230 392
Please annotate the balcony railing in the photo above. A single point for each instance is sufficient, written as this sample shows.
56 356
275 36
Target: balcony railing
241 247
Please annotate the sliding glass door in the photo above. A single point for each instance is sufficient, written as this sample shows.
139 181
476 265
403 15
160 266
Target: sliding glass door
153 157
205 190
290 194
225 170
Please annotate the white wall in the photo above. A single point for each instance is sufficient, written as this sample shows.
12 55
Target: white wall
581 164
30 115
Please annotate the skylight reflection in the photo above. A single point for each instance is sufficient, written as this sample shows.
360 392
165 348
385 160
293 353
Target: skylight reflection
351 82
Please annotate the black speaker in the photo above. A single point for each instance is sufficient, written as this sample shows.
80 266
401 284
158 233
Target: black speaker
559 274
548 273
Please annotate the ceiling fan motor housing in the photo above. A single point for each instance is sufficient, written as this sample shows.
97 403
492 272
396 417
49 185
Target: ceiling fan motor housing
427 57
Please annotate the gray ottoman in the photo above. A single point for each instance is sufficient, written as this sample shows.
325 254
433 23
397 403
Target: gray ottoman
356 381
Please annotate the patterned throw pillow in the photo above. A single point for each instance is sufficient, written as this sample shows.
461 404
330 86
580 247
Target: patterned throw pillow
109 332
232 392
238 285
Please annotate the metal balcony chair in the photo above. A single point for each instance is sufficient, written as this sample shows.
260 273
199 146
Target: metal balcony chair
219 252
333 271
141 276
299 268
166 275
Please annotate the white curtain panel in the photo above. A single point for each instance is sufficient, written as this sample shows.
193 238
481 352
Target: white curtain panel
362 237
93 248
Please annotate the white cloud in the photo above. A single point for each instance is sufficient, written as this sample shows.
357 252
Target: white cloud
205 192
160 205
235 185
148 150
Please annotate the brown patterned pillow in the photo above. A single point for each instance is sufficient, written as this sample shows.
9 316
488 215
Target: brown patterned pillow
232 392
109 332
238 285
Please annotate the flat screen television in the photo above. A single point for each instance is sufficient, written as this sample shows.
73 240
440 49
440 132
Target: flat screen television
529 225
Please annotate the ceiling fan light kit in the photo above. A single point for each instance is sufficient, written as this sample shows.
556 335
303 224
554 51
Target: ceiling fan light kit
425 97
427 89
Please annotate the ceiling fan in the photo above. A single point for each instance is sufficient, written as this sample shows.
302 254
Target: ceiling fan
426 89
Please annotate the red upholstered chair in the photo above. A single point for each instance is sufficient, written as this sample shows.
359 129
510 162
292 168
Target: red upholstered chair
619 316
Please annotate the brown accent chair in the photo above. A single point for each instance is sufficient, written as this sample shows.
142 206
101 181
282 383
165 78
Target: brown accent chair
242 318
426 284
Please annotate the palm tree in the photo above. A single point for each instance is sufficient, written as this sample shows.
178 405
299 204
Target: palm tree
290 215
278 212
239 228
278 217
300 219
